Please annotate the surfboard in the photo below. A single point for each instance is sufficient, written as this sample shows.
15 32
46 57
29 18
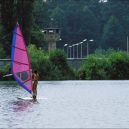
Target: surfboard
29 98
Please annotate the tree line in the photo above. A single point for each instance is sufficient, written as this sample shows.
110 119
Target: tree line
102 65
105 22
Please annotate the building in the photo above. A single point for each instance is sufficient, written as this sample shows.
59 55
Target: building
52 35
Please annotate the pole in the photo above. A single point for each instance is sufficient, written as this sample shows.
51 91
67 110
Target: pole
87 49
77 51
81 50
73 51
70 52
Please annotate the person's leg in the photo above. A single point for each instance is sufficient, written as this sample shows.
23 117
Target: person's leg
34 92
34 97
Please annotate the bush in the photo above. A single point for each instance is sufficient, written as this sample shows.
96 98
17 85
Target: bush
119 65
2 53
105 65
4 71
51 66
39 60
59 66
94 69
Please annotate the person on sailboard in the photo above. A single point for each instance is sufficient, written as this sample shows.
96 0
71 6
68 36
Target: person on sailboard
35 78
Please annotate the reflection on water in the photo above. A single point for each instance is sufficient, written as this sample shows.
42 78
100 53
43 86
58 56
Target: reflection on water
19 106
69 104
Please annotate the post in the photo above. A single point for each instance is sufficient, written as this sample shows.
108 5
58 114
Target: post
67 52
87 49
73 51
91 40
77 50
84 41
66 45
70 50
81 50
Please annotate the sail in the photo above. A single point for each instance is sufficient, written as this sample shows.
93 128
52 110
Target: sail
20 63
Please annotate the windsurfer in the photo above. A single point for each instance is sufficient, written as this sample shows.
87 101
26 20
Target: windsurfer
35 78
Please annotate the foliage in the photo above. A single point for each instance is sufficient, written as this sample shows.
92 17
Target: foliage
60 66
119 66
39 59
113 35
40 14
37 37
13 11
105 22
2 53
51 66
8 22
4 71
94 69
105 65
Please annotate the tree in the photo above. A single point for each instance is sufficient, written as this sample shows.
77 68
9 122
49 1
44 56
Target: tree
113 35
8 20
11 12
58 17
40 13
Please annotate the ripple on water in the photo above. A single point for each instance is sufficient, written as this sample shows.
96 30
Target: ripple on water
70 104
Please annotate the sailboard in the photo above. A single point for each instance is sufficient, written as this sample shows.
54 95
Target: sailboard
20 63
28 98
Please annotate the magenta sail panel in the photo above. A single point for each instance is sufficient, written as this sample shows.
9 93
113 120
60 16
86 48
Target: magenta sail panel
20 63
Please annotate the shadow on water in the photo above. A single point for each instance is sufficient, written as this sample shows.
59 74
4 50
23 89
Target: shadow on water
22 105
19 105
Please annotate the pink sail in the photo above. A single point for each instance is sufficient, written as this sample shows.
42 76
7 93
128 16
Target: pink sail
20 63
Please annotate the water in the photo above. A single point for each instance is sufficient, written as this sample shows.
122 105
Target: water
67 104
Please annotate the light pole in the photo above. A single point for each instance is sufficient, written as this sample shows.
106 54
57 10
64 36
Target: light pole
73 49
81 46
77 49
66 45
70 50
91 40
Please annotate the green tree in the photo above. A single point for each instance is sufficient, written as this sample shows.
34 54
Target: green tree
113 35
41 14
8 20
39 61
59 66
94 69
58 16
11 12
119 66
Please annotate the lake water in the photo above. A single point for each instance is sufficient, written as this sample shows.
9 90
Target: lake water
67 104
